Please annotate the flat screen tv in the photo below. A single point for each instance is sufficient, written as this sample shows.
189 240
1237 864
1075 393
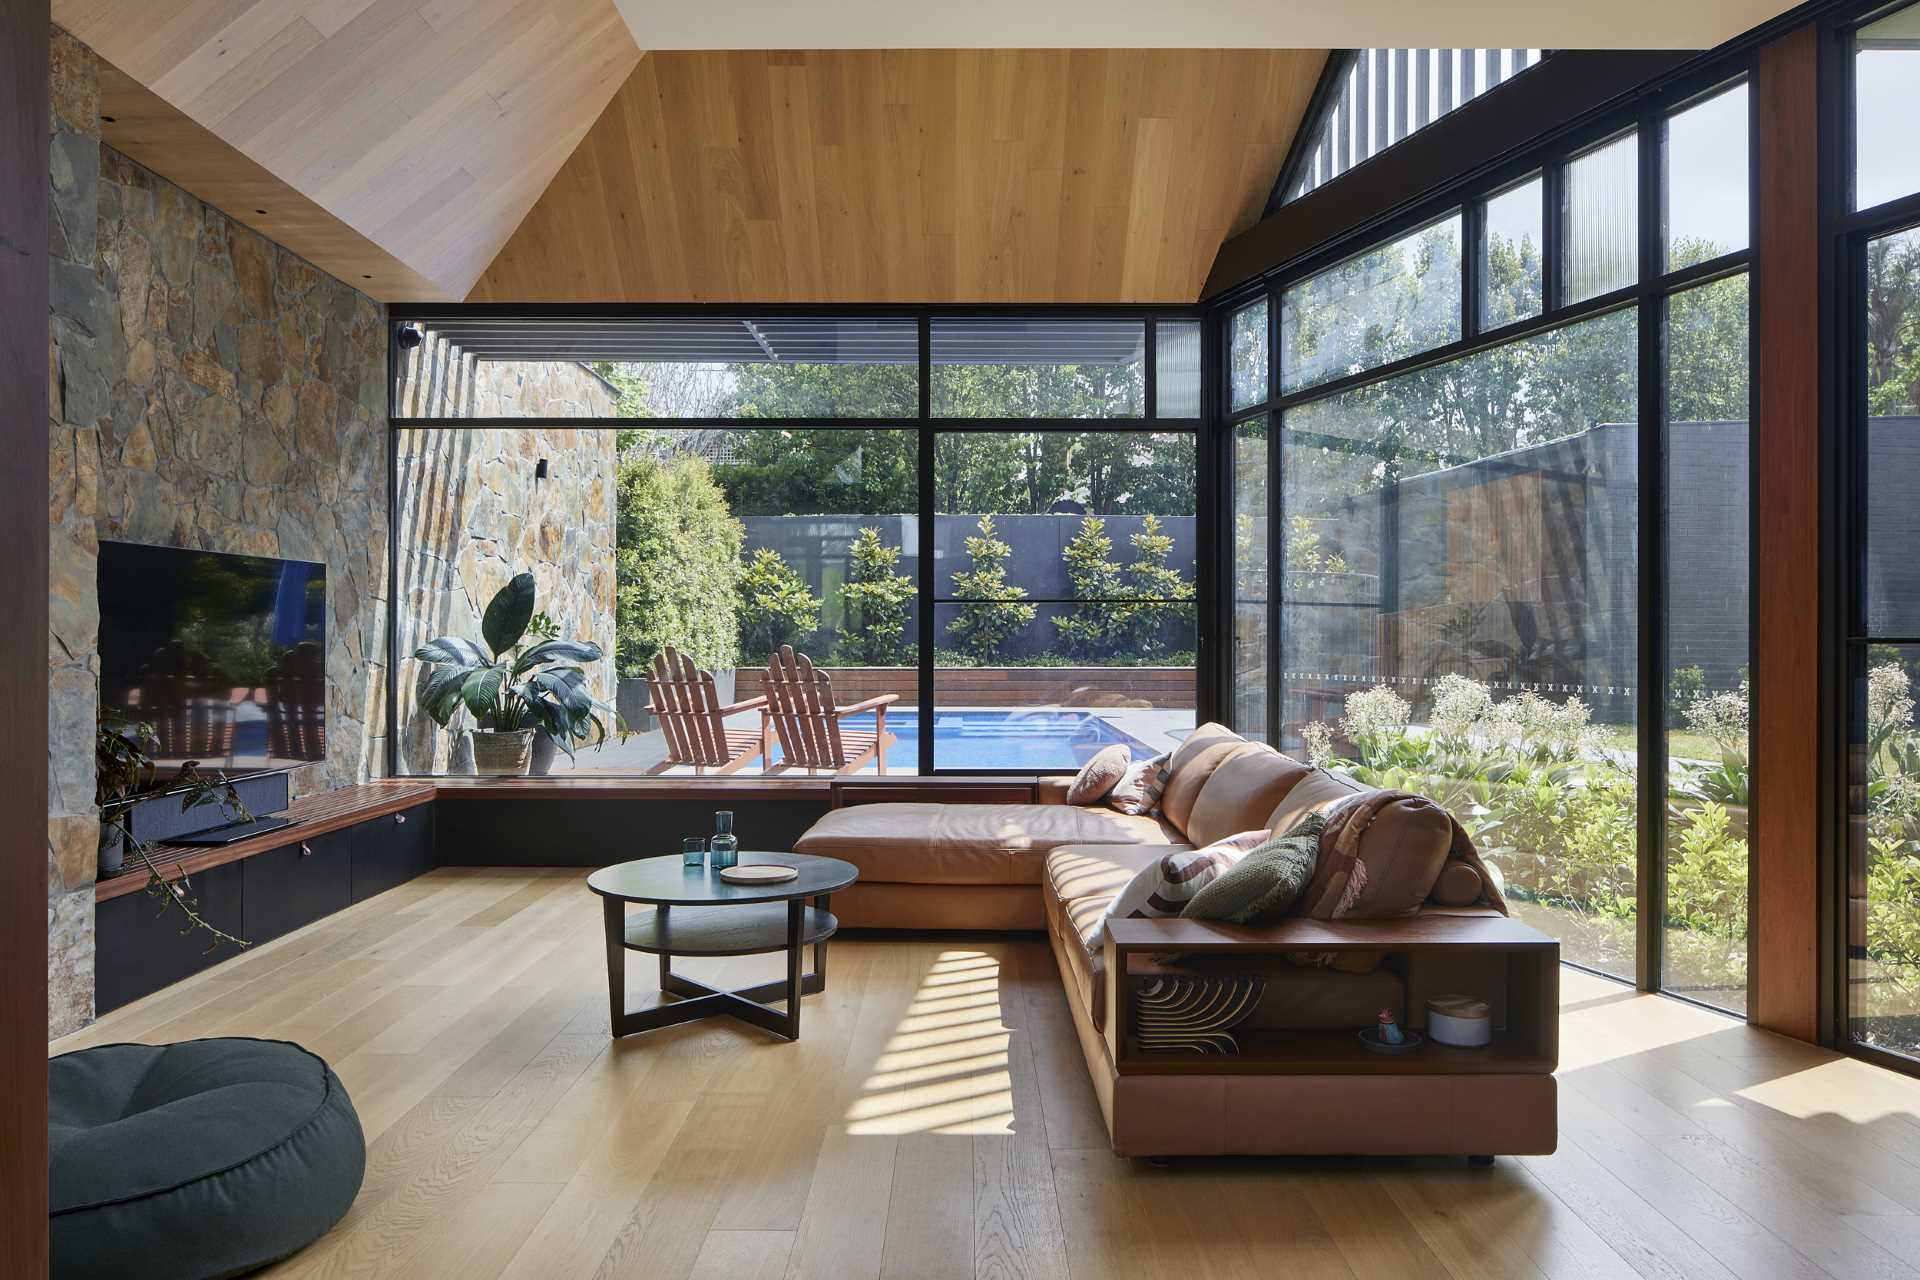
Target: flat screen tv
225 656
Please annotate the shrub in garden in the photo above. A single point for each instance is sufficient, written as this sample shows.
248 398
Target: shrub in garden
1093 632
1893 857
877 598
980 628
776 606
677 549
1158 587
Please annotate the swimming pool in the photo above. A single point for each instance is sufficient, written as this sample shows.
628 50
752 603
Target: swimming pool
996 739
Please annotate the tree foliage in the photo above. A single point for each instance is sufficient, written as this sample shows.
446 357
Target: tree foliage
992 617
776 606
877 597
678 556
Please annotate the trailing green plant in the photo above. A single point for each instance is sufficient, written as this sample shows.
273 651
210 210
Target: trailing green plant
776 606
512 684
876 599
992 615
123 755
678 560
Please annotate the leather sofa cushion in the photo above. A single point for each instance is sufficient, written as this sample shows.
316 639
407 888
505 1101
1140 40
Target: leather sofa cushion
1242 794
1318 792
1189 779
1207 735
934 843
1083 870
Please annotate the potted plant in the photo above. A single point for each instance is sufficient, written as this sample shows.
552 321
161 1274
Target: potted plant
122 768
512 691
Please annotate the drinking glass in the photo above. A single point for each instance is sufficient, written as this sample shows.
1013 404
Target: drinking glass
693 851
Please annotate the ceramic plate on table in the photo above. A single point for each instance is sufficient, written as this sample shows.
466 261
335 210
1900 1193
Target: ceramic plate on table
759 873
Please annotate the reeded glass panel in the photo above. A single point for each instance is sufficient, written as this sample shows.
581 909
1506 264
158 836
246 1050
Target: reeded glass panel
1601 216
1064 596
1511 272
1883 887
773 367
1247 355
724 543
1706 179
1891 572
1006 368
1397 300
1177 368
1458 614
1707 692
1251 597
1886 87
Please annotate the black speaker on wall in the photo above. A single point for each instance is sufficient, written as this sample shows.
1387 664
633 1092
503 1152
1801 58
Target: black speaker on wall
160 818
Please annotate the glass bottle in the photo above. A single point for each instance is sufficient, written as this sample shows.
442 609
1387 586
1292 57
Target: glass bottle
724 849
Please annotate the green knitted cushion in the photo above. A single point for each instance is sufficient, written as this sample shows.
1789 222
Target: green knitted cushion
1262 887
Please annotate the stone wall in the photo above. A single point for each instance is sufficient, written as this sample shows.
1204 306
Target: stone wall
209 390
472 512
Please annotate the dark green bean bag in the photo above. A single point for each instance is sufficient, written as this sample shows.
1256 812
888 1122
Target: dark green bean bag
199 1159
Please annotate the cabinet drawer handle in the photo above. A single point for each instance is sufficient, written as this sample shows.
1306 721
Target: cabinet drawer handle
399 817
306 850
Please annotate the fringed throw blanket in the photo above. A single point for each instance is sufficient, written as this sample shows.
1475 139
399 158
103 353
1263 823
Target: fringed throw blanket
1417 838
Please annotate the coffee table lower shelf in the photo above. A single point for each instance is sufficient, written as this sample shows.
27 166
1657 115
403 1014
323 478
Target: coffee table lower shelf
743 930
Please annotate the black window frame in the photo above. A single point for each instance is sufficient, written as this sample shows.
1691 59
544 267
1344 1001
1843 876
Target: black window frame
1644 117
924 423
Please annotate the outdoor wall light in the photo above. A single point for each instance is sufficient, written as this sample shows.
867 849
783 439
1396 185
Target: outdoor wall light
540 470
408 338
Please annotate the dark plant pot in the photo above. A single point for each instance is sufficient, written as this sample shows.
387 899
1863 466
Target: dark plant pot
545 751
113 849
497 752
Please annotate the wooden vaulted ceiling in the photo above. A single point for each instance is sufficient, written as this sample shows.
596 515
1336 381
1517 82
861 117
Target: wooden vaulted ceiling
526 151
412 135
912 176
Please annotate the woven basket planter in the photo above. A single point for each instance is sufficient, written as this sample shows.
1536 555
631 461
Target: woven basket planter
496 752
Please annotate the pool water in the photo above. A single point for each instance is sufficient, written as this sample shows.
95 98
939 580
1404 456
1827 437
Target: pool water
1011 739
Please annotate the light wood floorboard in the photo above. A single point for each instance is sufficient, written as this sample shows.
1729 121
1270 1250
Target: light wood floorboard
935 1120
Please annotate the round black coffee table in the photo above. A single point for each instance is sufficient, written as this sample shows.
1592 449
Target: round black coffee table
699 914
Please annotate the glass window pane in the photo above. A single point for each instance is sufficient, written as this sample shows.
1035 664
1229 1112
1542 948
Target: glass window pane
994 368
1886 86
1510 255
1176 368
1891 573
1705 936
1883 893
1248 355
1250 596
776 367
1458 609
723 542
1706 179
1064 580
1602 233
1397 300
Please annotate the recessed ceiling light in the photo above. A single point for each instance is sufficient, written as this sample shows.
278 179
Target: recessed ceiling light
261 212
366 277
108 120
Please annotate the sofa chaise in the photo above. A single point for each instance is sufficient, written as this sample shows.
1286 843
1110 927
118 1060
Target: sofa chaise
1300 1081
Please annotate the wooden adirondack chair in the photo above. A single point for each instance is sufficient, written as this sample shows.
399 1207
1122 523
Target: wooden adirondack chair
800 701
694 723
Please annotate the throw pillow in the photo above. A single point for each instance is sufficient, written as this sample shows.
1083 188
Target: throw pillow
1099 775
1262 887
1139 791
1163 886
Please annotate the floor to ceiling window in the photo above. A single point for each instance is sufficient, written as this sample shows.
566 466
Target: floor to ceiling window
1475 425
997 511
1882 973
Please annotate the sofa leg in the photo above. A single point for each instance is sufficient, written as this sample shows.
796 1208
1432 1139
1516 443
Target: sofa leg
1480 1162
1158 1162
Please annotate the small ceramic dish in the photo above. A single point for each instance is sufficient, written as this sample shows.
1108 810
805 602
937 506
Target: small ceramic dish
1371 1038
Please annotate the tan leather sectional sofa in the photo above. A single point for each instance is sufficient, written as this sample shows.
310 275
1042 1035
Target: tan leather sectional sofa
1302 1084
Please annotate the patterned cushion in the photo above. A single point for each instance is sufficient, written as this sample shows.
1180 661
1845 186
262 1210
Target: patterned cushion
1099 775
1139 791
1163 886
1262 887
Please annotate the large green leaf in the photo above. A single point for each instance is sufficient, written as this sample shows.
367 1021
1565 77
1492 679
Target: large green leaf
439 691
557 651
451 649
481 690
508 614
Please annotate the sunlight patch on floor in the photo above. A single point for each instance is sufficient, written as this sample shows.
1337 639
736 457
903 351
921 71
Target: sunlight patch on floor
944 1069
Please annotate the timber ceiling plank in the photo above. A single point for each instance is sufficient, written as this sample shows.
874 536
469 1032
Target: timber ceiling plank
425 127
1007 175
